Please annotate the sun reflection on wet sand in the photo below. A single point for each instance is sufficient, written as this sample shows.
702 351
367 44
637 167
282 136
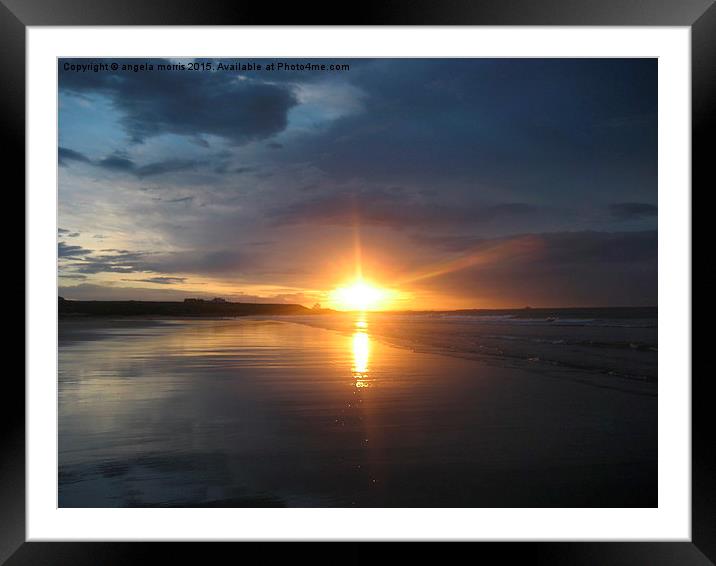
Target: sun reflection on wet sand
361 354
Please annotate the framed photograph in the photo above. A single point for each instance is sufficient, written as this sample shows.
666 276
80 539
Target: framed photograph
424 275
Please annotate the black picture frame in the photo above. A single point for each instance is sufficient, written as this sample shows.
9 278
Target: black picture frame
16 15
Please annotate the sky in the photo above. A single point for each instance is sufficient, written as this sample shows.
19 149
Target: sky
448 183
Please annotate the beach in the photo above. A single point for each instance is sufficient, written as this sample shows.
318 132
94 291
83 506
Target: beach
357 411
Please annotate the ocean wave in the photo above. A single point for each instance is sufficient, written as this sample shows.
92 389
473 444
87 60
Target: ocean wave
621 348
551 321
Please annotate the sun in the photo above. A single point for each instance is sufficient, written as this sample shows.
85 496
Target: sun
358 296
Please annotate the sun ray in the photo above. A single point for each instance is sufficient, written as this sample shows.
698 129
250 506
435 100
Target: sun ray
527 245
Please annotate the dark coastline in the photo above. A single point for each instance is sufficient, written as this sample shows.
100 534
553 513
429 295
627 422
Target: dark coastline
177 309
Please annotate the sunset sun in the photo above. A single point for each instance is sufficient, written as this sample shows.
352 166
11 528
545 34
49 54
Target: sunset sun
359 296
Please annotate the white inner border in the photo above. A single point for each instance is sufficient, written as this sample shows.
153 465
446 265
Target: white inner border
670 521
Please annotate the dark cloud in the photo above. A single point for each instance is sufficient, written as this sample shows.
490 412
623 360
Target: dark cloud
224 167
117 163
600 248
160 280
90 262
64 155
186 103
213 262
632 210
557 269
126 165
120 162
207 263
179 200
393 207
168 166
533 126
65 250
508 209
561 247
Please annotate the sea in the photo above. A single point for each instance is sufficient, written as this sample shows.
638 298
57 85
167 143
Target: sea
518 408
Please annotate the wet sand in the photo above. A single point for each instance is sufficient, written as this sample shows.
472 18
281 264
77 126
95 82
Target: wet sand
272 412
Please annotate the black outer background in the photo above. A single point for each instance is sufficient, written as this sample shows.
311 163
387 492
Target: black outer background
16 14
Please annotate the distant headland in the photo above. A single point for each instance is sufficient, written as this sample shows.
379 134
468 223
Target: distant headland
189 307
